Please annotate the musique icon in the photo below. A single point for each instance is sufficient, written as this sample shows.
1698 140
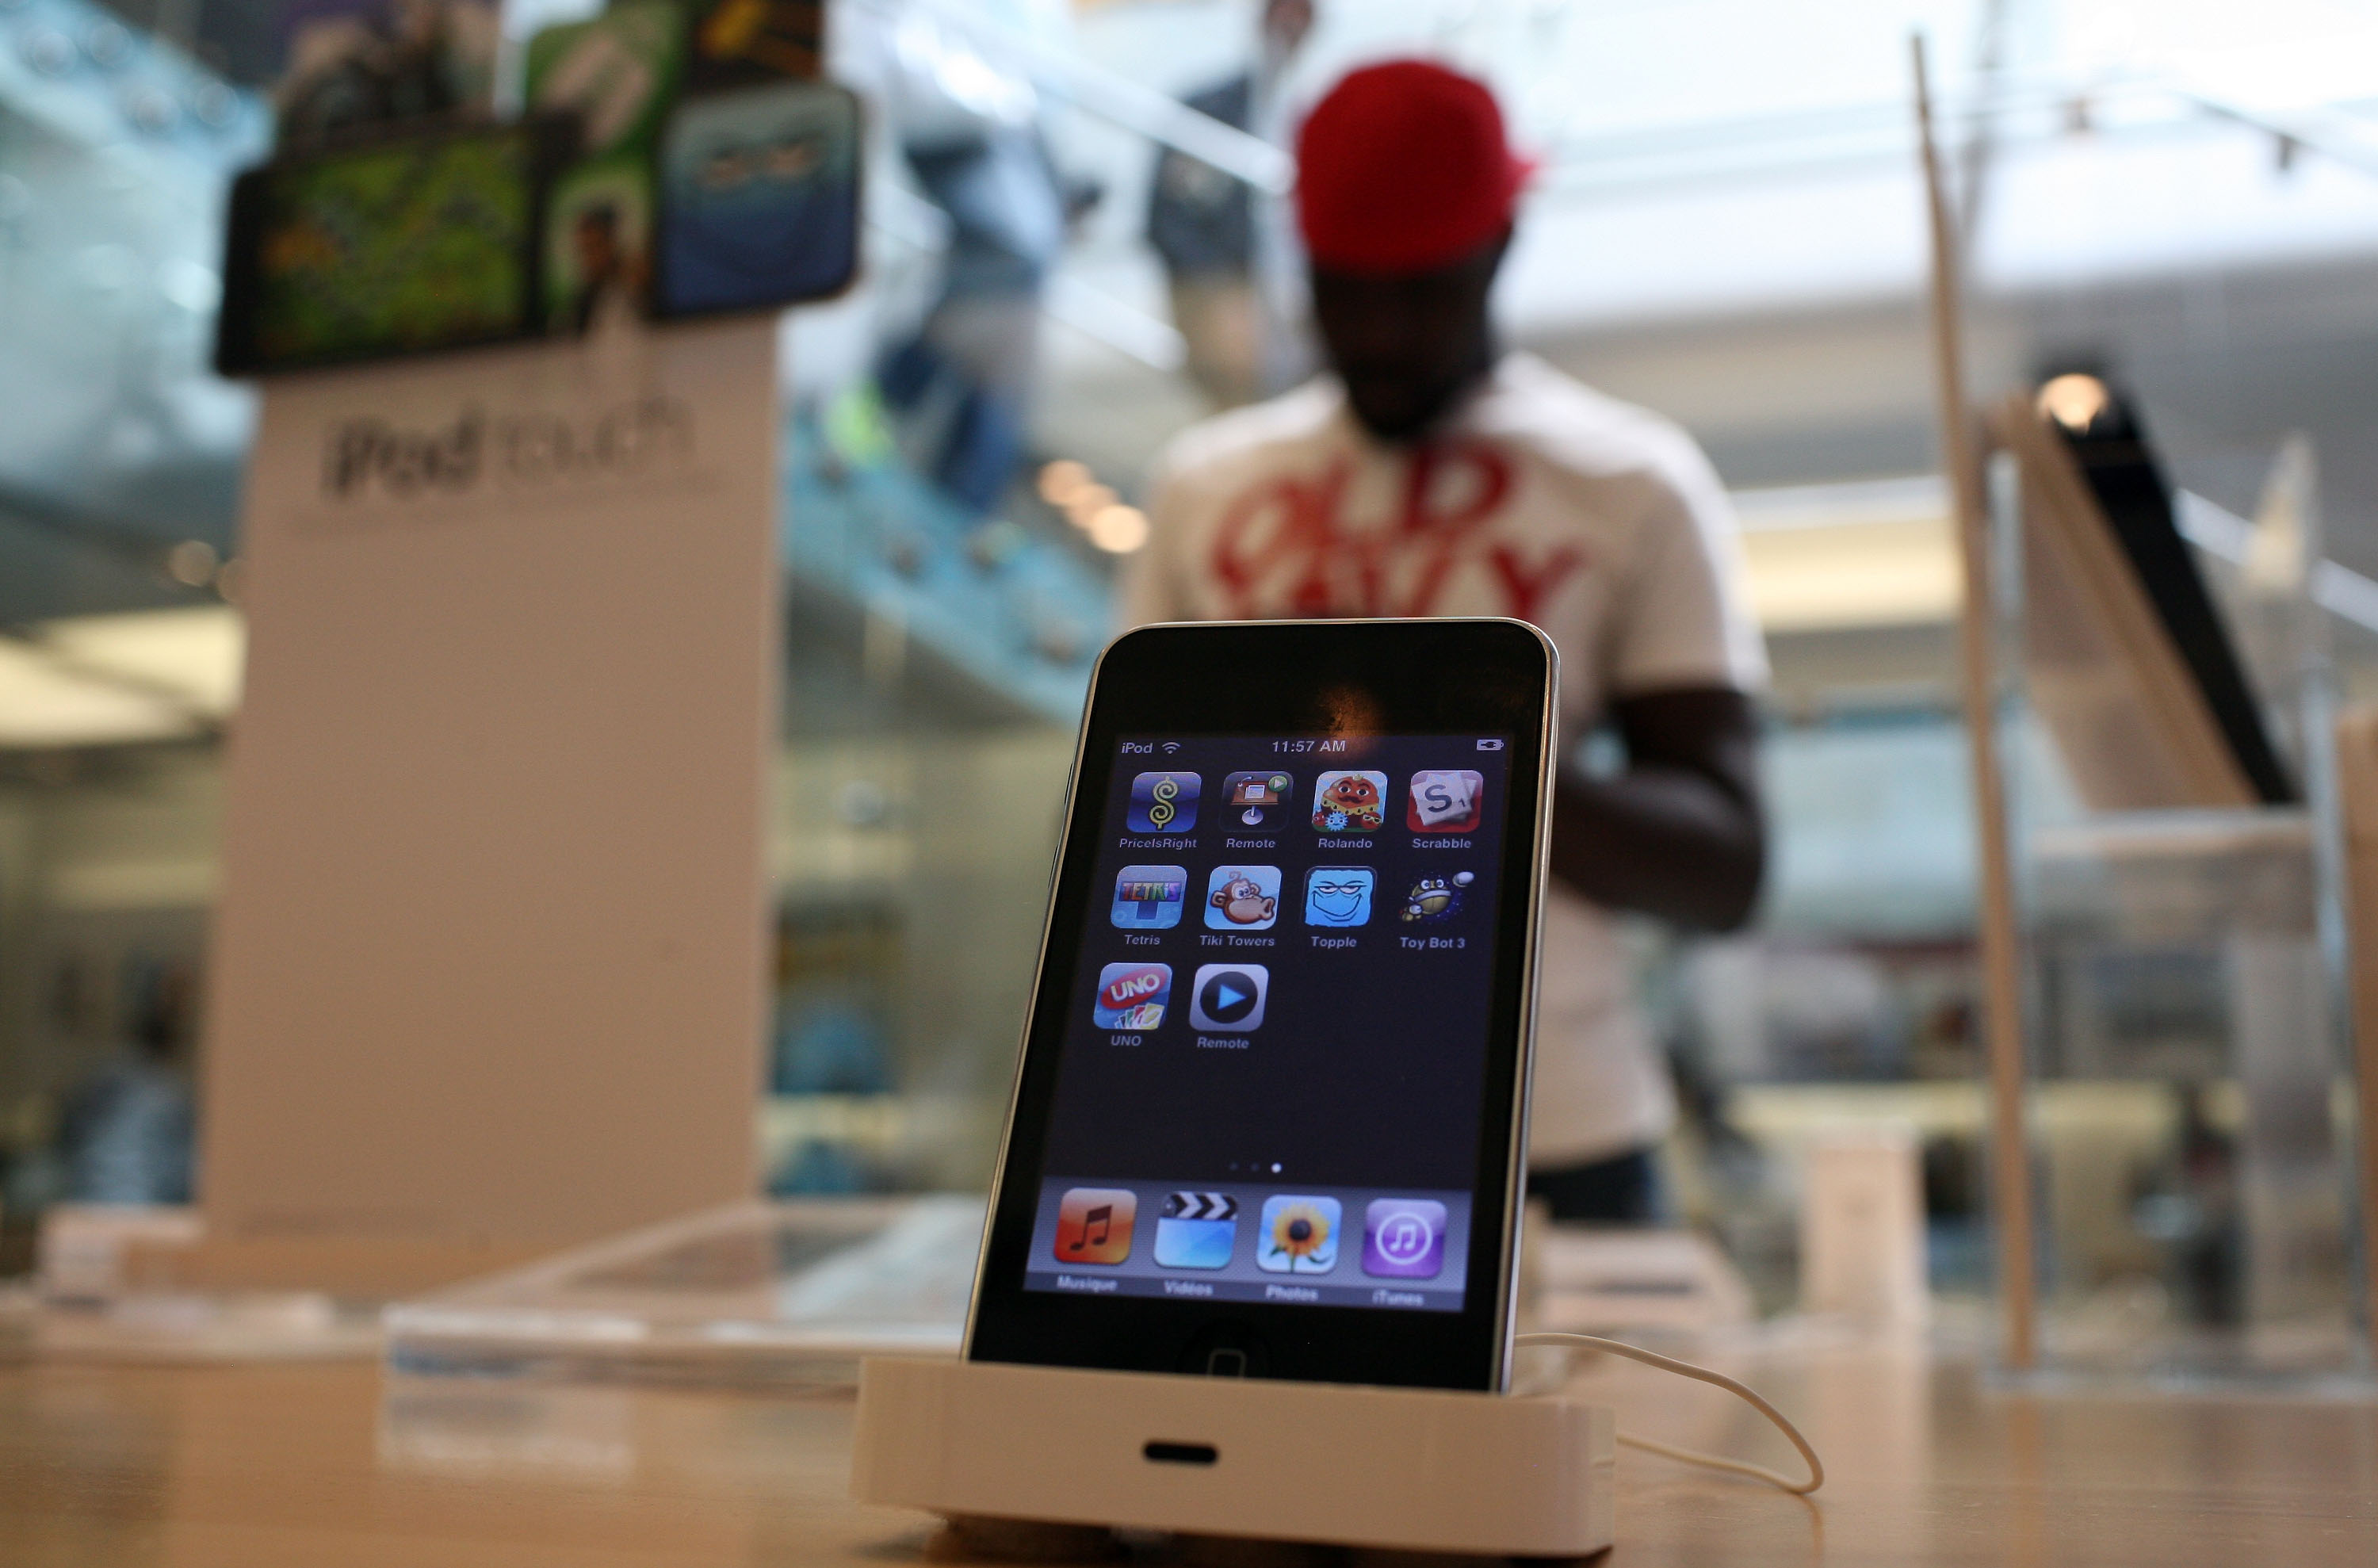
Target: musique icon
1093 1225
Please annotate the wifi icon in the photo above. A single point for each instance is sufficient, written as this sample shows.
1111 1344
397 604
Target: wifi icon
1171 747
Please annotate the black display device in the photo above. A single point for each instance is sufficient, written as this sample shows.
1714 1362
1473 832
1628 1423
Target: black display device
2129 485
1271 1114
394 245
759 200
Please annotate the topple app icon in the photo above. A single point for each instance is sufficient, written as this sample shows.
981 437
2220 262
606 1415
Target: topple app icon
1339 895
1163 803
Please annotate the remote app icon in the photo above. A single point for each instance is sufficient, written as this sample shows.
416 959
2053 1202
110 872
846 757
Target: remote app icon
1163 803
1444 799
1243 898
1403 1238
1197 1230
1093 1225
1133 996
1229 996
1339 895
1299 1236
1147 898
1254 795
1437 898
1349 801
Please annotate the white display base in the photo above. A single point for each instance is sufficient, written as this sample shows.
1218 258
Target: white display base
1417 1469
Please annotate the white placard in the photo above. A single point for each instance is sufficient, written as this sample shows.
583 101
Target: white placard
489 963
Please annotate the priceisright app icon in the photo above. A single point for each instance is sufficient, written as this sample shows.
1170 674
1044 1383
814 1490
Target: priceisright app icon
1162 803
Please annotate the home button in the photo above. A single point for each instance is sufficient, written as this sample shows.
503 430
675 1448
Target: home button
1226 1350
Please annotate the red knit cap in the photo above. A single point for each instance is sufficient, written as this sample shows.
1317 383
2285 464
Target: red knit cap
1403 168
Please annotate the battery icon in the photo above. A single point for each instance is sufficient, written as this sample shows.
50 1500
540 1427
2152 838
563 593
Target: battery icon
1490 745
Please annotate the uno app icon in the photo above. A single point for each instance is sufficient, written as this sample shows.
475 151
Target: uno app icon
1093 1225
1132 996
1163 803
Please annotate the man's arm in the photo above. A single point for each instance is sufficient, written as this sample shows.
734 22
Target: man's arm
1680 833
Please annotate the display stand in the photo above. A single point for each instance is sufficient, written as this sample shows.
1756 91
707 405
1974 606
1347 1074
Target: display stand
2188 1197
2357 776
2236 915
1999 942
1401 1469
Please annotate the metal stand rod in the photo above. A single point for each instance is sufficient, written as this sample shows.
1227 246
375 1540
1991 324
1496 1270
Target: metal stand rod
2002 985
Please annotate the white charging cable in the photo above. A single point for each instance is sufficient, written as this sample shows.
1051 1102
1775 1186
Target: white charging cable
1701 1374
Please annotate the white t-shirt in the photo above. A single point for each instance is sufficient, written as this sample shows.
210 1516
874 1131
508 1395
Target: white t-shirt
1538 498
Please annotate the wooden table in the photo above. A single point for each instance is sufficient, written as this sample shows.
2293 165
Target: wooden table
316 1466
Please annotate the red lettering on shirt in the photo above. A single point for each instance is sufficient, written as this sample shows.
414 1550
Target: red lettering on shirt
1285 546
1525 587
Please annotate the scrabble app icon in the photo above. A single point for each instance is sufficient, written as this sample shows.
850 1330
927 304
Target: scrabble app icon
1444 799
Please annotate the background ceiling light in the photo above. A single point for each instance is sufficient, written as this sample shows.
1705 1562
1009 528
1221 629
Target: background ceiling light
2074 402
1063 479
43 705
1118 529
190 656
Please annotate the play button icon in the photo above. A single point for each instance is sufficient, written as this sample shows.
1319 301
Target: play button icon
1229 996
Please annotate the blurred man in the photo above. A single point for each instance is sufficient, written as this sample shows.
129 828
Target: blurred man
1434 474
1203 224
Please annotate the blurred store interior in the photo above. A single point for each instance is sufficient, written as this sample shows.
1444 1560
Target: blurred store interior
1726 226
